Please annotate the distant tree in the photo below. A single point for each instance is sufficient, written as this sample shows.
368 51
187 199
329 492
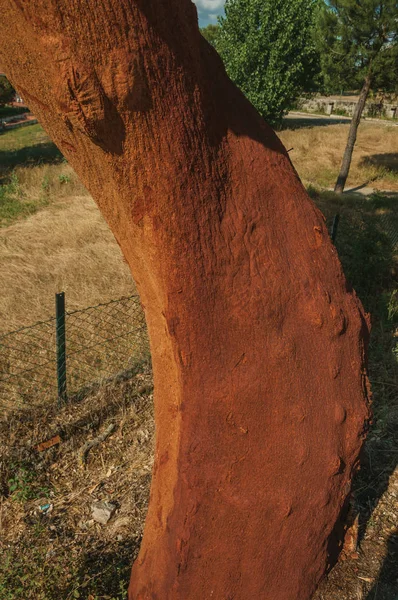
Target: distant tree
210 33
357 42
268 51
7 92
386 79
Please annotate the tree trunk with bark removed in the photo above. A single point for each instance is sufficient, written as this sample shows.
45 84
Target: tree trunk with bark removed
258 345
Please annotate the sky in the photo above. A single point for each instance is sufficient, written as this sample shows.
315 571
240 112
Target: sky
208 11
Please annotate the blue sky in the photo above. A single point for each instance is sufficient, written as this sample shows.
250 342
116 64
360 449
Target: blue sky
208 11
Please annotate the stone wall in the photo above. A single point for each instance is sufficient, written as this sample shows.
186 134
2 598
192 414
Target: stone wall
346 107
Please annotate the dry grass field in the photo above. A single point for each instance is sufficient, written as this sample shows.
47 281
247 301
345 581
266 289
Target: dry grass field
318 151
65 247
52 236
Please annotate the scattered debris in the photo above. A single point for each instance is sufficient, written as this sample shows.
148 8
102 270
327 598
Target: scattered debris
95 487
95 442
54 441
102 512
79 543
46 508
142 436
85 525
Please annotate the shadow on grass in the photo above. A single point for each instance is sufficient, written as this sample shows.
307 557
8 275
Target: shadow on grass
294 122
9 110
366 243
386 587
41 567
28 156
105 572
388 161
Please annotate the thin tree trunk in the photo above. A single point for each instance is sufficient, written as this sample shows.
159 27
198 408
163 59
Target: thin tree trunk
352 136
258 349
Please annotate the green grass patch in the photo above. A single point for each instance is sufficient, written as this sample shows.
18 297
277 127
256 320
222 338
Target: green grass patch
27 146
33 173
14 204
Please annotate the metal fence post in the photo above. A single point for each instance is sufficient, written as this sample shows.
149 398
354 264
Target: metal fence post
61 346
335 224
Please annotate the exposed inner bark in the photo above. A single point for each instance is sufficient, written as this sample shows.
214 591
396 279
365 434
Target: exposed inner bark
257 345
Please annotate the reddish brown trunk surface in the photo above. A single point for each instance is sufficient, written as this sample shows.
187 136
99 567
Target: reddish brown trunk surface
257 346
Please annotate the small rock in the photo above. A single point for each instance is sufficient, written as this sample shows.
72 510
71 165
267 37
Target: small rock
85 525
46 509
102 511
142 436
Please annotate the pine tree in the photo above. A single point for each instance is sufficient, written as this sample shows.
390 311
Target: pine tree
356 39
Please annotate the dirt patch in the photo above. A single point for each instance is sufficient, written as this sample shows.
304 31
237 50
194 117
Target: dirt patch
50 545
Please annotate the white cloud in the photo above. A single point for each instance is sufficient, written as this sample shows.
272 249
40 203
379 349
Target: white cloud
212 6
208 10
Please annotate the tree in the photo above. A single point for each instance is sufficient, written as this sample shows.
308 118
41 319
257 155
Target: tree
7 92
385 80
356 41
258 349
210 33
268 51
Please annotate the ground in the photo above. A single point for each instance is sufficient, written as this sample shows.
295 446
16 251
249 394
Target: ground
53 238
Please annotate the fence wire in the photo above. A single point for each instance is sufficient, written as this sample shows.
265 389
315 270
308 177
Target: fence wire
102 342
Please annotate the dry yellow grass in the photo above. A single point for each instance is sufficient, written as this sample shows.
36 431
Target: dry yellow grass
54 180
64 247
318 151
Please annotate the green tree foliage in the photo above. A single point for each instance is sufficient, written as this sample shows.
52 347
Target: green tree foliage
386 77
357 38
268 51
7 92
211 33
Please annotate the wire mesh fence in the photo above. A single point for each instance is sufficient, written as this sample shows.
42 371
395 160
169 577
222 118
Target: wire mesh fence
99 343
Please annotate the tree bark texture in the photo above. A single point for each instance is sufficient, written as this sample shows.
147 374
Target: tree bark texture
258 345
352 136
